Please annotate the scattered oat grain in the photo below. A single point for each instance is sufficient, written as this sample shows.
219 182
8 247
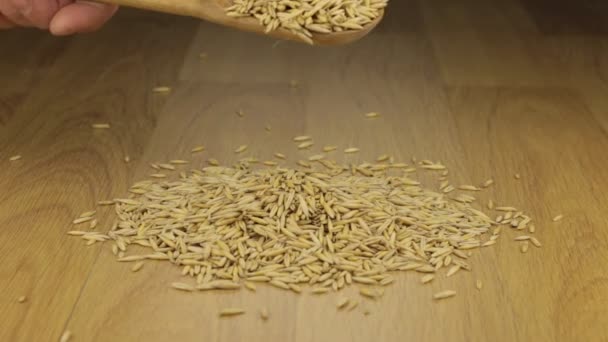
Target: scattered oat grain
453 270
179 162
316 157
369 293
301 138
505 209
137 266
444 294
82 219
161 89
198 149
320 290
427 278
66 336
524 247
250 286
264 313
305 144
342 302
241 149
183 287
382 158
353 304
231 312
535 242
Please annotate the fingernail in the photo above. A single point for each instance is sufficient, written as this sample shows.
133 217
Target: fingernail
94 4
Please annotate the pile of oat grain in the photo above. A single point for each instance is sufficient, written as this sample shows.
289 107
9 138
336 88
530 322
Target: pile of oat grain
327 226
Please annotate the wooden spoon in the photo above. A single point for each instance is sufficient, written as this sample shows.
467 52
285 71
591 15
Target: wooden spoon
213 11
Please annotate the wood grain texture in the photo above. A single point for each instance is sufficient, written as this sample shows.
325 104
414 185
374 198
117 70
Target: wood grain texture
489 88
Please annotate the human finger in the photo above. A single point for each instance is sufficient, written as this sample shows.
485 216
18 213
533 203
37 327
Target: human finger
81 16
13 11
40 12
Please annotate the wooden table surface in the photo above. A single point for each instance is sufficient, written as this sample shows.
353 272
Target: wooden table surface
490 88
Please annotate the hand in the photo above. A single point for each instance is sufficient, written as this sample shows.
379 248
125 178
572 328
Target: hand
60 17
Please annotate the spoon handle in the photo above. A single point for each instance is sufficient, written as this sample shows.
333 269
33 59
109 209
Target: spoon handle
203 9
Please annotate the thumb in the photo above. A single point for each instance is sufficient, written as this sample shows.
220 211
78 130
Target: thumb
81 16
